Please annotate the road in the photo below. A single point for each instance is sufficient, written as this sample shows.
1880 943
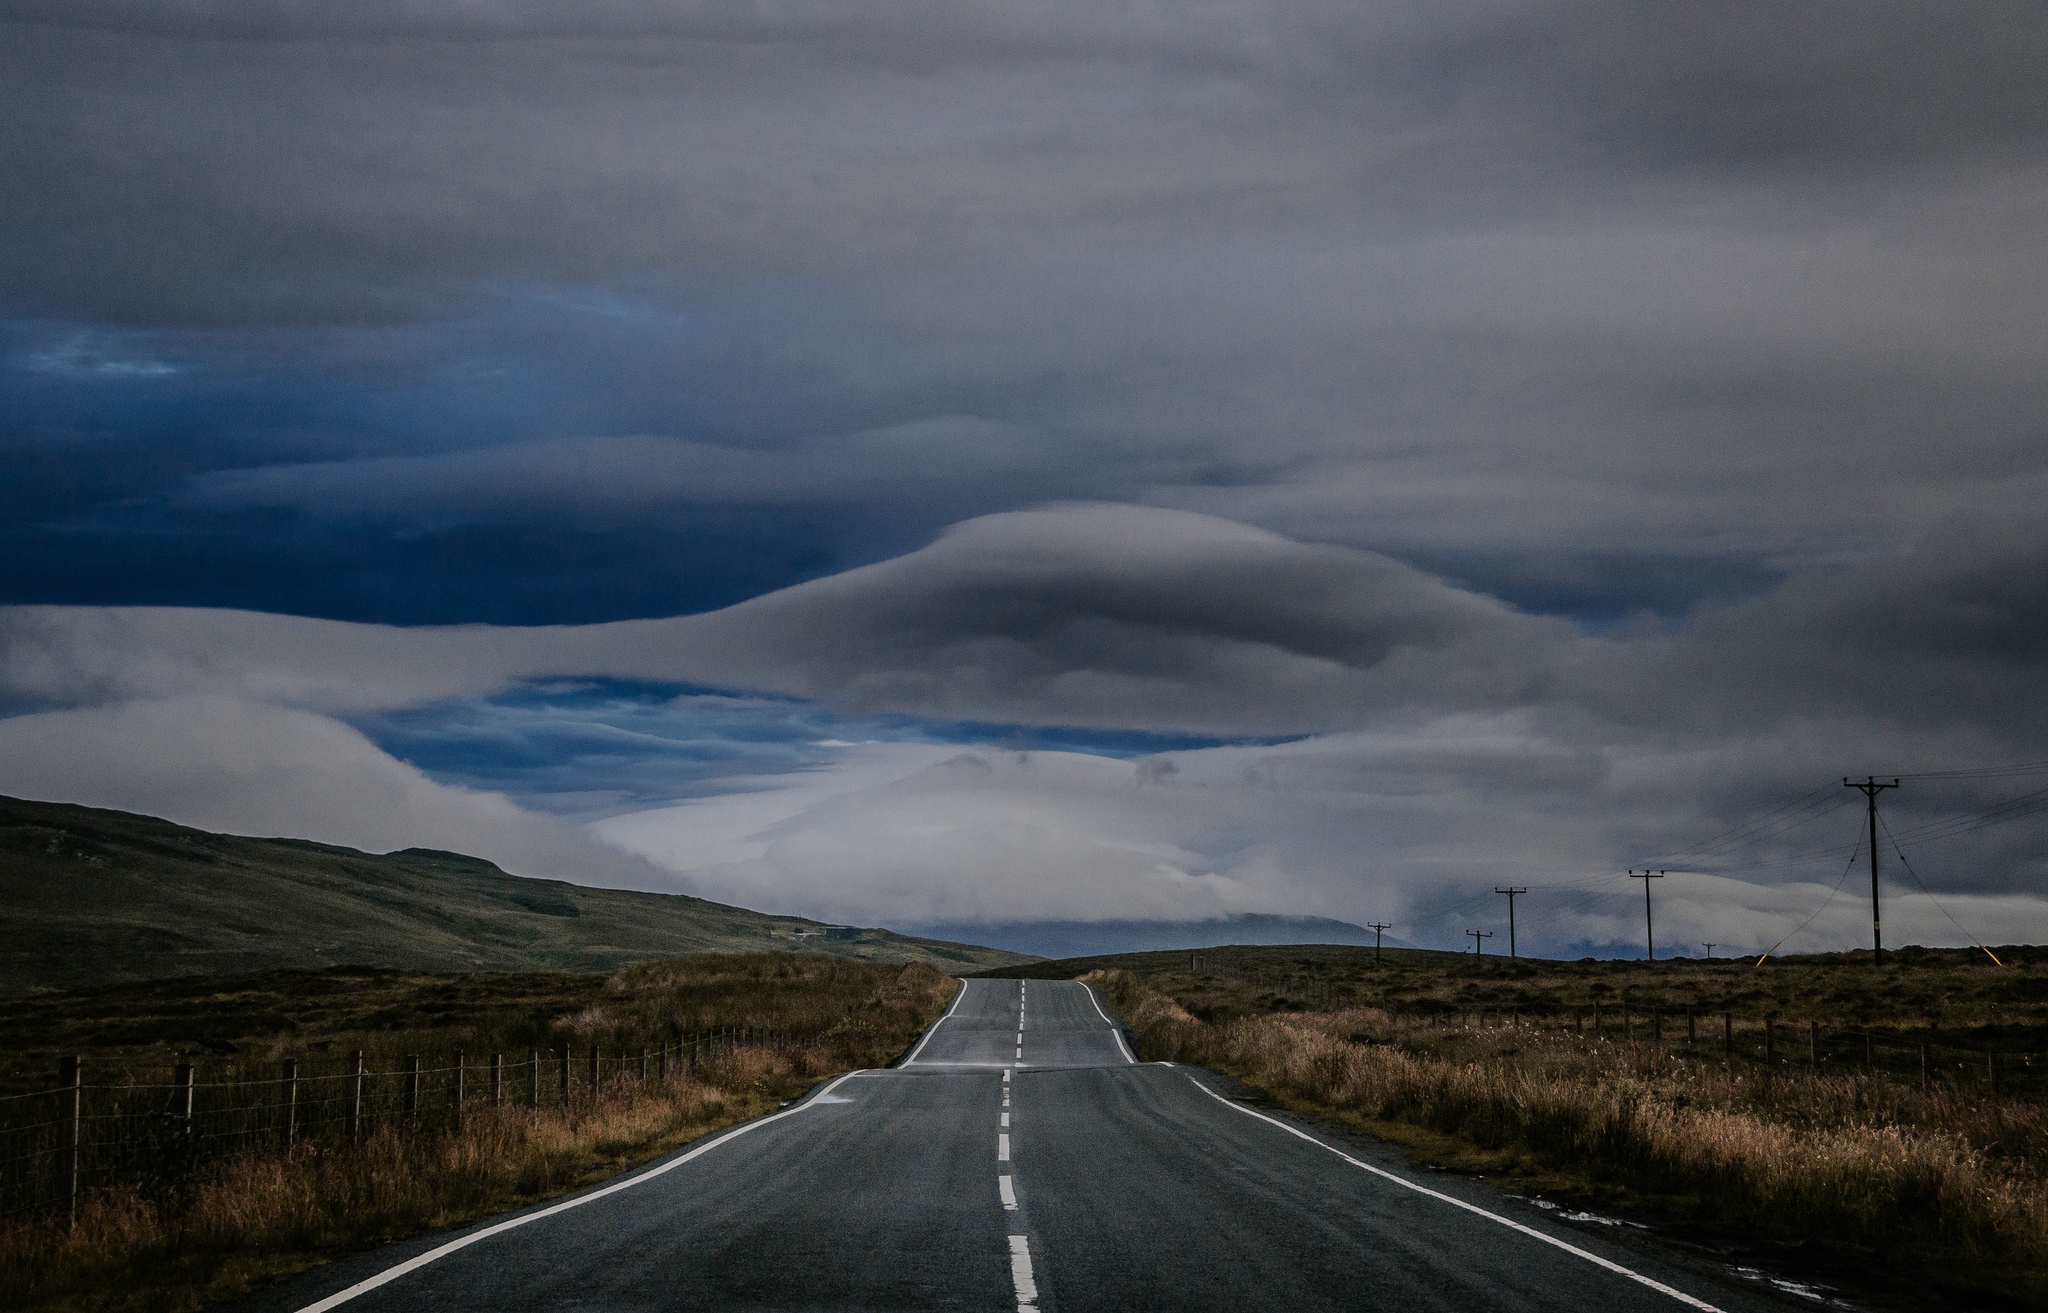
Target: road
1020 1158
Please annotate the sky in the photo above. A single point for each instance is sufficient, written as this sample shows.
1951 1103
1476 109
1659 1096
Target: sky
962 466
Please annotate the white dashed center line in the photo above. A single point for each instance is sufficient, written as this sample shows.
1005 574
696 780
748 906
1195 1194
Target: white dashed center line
1002 1148
1020 1273
1007 1188
1006 1121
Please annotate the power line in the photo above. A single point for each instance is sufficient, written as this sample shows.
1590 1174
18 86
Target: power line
1979 772
1932 899
1847 867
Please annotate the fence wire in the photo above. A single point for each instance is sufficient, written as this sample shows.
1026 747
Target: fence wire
63 1143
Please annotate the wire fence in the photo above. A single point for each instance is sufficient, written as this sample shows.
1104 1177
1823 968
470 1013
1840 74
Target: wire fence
158 1130
1785 1046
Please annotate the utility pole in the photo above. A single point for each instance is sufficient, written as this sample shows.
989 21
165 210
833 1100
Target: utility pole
1649 929
1709 948
1478 935
1870 788
1377 927
1511 891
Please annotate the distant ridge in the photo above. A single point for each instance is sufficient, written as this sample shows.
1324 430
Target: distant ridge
1058 939
90 897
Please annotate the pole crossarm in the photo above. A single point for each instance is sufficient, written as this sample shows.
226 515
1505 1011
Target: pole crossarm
1377 928
1477 937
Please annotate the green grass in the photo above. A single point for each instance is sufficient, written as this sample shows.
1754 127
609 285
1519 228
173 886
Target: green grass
147 1246
97 897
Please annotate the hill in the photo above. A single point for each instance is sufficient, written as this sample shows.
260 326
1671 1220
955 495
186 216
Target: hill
1065 939
96 897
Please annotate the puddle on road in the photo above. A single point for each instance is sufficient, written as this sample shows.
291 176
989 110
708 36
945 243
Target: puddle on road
1818 1294
1595 1219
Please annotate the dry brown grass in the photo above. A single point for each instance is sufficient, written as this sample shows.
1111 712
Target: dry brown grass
235 1224
1949 1183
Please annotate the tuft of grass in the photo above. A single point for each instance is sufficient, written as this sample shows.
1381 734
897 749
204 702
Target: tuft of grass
236 1224
1947 1184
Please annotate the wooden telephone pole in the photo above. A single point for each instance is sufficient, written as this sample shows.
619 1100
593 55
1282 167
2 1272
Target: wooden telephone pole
1377 928
1649 930
1870 788
1511 891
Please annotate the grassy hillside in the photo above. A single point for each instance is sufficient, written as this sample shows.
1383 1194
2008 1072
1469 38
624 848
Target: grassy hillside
96 898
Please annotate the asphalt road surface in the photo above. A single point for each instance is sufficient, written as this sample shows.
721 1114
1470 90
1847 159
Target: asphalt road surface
1020 1158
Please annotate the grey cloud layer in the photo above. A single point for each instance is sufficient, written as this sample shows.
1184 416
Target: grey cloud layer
1505 288
1452 741
1137 618
1091 615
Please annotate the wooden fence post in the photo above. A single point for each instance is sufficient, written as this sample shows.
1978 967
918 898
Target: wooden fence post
497 1080
643 1064
533 1078
70 1109
661 1071
461 1082
1691 1035
563 1073
593 1071
291 1103
1728 1035
1813 1046
1923 1071
355 1097
412 1086
1596 1016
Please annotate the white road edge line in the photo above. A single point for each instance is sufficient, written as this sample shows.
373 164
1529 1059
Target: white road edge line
1020 1274
1507 1222
1122 1047
936 1024
390 1274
